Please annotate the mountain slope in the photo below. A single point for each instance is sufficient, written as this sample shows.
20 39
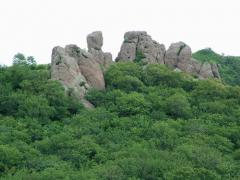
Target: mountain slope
149 123
229 66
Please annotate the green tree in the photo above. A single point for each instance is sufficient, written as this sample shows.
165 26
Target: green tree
31 60
131 104
178 106
21 59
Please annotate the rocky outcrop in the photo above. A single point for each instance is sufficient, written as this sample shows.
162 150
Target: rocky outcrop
79 70
95 43
215 71
95 40
138 44
179 55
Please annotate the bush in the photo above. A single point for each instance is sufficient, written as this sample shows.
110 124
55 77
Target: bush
121 69
131 104
178 106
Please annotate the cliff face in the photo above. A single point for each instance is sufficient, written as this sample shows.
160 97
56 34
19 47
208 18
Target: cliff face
78 70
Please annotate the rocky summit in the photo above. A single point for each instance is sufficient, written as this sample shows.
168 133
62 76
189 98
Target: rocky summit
139 45
79 70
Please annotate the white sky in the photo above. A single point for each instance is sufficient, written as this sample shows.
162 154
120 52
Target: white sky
34 27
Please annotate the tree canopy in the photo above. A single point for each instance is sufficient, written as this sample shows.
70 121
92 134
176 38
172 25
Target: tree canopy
150 123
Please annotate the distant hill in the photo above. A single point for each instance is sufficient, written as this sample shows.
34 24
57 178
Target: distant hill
229 66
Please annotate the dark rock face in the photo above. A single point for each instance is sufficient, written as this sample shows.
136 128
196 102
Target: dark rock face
79 70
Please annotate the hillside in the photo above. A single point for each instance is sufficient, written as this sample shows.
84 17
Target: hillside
149 123
79 70
229 66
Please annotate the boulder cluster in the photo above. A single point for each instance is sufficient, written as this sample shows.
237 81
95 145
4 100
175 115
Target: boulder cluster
138 44
78 69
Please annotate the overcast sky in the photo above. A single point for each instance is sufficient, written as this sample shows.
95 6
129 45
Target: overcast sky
34 27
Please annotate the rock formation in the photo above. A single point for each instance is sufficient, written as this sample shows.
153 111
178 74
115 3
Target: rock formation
138 44
95 43
179 55
78 70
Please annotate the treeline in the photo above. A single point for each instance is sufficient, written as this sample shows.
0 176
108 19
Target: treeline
229 66
149 123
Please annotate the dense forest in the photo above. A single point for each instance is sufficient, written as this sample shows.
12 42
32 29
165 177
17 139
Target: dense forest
150 123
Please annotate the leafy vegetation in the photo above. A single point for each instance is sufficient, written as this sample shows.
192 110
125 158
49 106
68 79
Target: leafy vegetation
150 123
20 58
139 57
229 66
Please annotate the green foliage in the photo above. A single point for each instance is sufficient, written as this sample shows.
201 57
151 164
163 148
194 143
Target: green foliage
10 157
125 76
178 106
131 104
207 55
139 57
26 91
229 66
149 123
160 75
20 59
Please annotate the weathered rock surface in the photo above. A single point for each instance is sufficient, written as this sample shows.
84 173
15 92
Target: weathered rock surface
76 69
95 40
215 71
139 43
79 70
95 43
179 55
104 59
